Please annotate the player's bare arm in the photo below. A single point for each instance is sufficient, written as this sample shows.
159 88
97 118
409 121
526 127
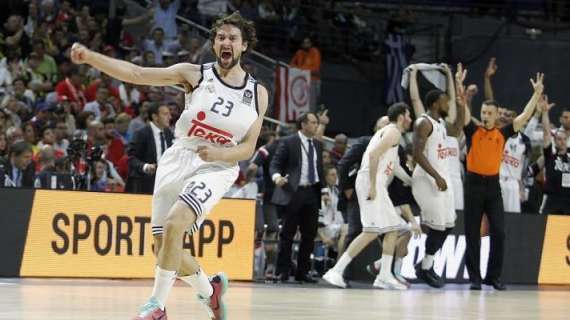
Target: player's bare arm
401 174
422 130
417 103
181 73
546 126
459 97
452 114
245 149
390 138
538 86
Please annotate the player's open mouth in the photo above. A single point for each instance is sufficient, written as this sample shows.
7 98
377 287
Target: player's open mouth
226 55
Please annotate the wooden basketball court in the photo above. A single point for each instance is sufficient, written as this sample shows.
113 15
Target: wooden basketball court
72 299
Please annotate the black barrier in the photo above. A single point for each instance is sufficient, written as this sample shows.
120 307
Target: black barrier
16 207
523 249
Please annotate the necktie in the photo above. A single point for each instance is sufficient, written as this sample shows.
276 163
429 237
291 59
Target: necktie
18 181
162 143
311 159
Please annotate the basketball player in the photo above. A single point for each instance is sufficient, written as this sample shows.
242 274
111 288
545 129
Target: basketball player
452 145
515 160
379 217
431 175
219 126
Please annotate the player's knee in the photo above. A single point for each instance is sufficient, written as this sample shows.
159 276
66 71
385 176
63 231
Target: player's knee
179 219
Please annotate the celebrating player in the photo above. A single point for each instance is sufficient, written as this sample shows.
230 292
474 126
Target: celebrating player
219 126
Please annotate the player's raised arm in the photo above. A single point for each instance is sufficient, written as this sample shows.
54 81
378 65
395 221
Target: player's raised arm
182 73
528 111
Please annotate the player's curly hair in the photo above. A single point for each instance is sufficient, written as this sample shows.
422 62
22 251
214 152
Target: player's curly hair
247 28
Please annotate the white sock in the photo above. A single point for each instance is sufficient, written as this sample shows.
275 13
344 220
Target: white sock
398 266
163 282
378 263
427 262
200 282
386 270
342 263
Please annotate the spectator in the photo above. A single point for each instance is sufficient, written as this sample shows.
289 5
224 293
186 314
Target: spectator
5 121
84 118
165 17
115 146
3 145
47 66
13 135
18 168
327 158
38 81
130 96
30 136
23 94
298 189
122 125
103 81
95 134
56 175
101 107
209 9
556 199
140 120
45 159
63 112
61 134
266 11
146 148
332 228
308 58
157 45
44 115
340 143
48 139
72 88
101 178
15 36
15 111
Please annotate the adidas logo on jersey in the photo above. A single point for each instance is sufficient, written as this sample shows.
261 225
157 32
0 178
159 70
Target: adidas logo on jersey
211 134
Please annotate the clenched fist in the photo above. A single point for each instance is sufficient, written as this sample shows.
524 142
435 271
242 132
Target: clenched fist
79 53
209 153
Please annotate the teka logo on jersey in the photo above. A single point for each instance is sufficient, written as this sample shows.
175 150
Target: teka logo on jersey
207 132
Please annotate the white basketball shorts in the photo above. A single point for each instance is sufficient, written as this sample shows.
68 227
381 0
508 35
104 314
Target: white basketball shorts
182 175
437 207
510 190
378 215
457 189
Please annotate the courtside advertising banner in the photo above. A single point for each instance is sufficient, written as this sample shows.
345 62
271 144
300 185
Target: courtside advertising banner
81 234
555 262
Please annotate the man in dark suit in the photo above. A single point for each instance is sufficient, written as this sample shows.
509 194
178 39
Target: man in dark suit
297 171
146 147
18 169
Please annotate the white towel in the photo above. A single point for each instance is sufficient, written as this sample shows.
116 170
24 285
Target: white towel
432 72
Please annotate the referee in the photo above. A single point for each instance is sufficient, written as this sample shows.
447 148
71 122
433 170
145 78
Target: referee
485 145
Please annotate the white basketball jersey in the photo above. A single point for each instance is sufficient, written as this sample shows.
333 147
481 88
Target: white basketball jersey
453 153
216 112
435 149
388 160
513 158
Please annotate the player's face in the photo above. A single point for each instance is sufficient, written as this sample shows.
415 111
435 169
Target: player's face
406 120
443 104
228 46
565 120
560 139
489 115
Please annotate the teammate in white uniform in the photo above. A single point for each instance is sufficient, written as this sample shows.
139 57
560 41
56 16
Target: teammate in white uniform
378 215
430 177
515 157
219 126
455 170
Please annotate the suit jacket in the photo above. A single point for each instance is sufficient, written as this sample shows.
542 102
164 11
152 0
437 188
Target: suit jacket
287 161
27 174
351 161
141 150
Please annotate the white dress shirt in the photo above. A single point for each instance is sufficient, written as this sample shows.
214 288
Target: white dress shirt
304 180
156 135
